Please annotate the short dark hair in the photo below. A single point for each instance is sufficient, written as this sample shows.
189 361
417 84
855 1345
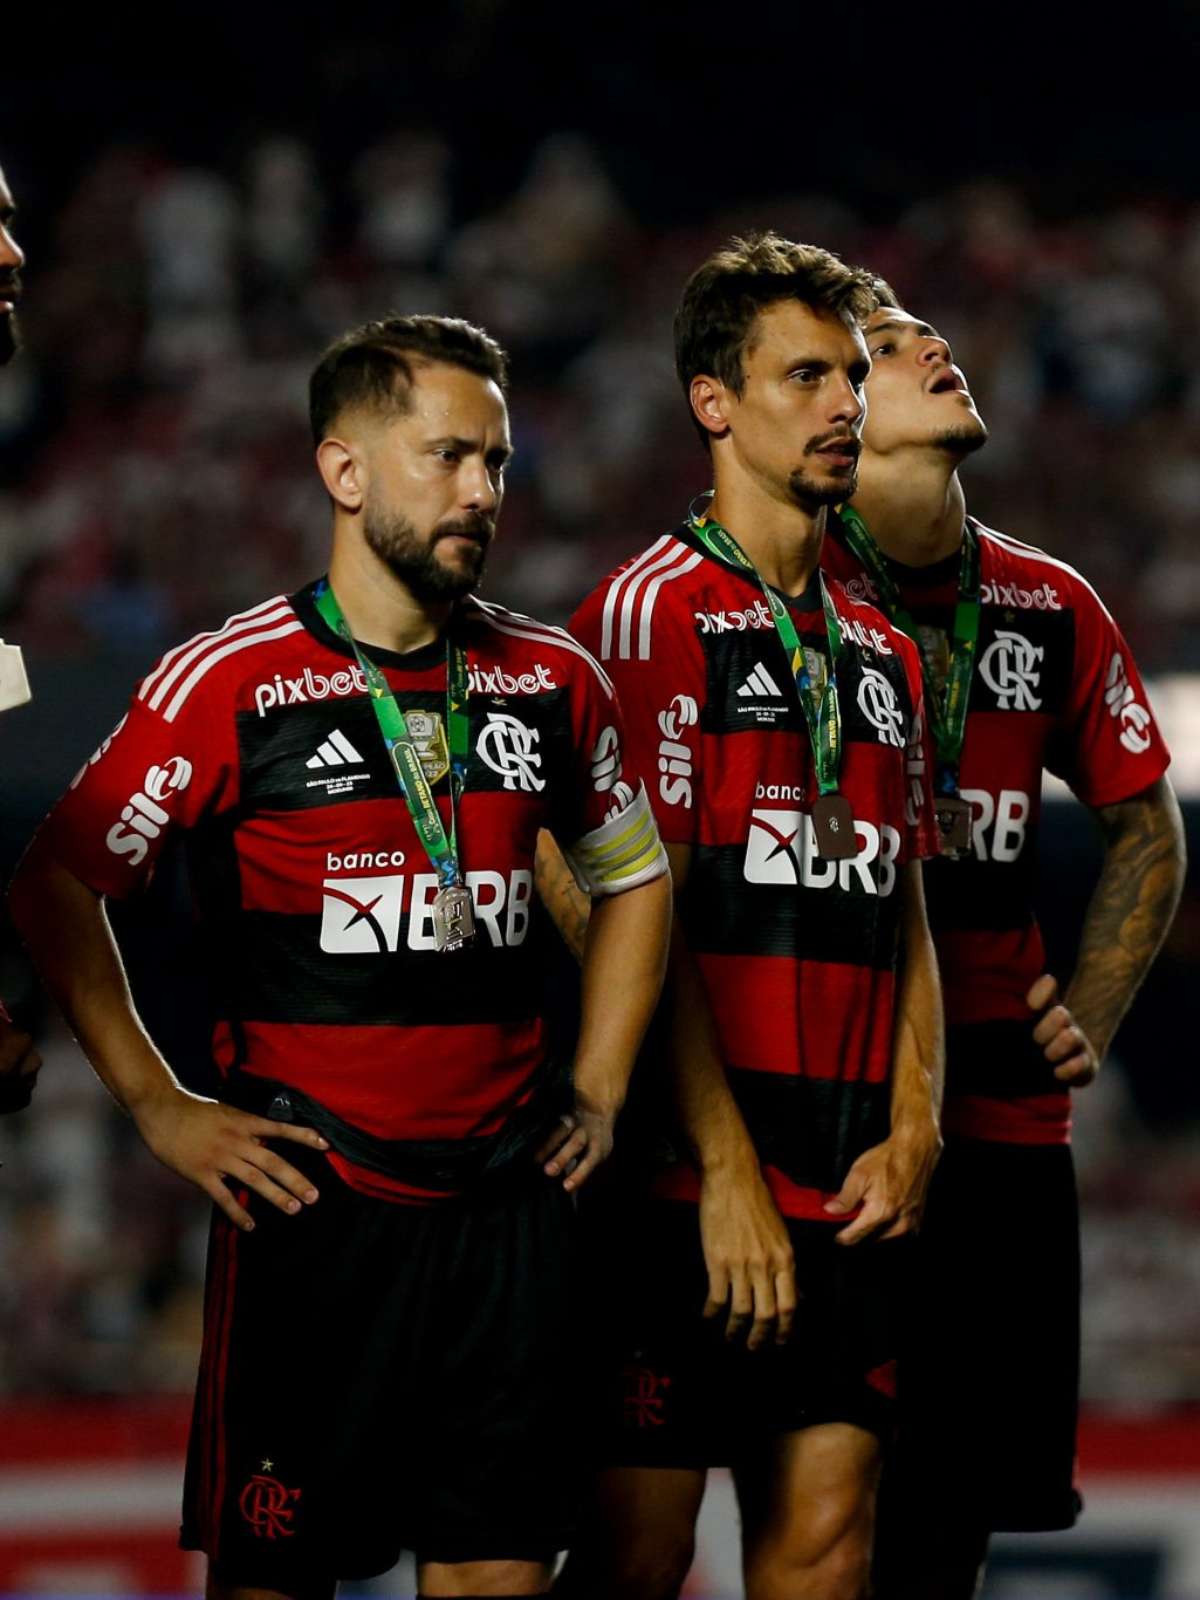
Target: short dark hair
372 366
714 325
886 298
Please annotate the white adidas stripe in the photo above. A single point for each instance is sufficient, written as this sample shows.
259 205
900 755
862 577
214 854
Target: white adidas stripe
199 638
212 641
1018 547
522 627
211 659
629 598
651 596
614 592
341 744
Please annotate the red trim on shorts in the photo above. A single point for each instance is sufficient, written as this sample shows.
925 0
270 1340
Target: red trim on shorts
682 1182
220 1371
1037 1119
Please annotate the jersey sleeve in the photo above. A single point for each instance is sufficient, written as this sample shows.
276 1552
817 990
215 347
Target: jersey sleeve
921 839
662 693
1107 745
613 841
149 781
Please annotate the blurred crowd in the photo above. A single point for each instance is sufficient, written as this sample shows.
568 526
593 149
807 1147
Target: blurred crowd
155 475
175 316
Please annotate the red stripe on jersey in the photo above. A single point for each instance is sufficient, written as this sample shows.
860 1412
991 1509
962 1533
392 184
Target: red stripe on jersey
809 1019
986 973
682 1182
378 1077
1033 1119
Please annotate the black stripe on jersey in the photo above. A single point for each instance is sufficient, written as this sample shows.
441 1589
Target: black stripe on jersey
812 1129
987 896
998 1059
724 914
291 761
274 970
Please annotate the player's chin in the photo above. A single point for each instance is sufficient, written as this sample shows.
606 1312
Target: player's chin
827 488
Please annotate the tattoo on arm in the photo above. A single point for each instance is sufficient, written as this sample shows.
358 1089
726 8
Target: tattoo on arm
1130 910
562 897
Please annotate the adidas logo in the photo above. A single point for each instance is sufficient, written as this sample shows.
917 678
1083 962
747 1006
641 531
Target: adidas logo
760 682
336 751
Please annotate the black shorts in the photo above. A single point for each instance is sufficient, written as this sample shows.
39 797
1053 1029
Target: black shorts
989 1371
378 1377
678 1395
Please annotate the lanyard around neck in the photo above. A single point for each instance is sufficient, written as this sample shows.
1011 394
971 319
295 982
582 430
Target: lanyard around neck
398 741
947 711
822 711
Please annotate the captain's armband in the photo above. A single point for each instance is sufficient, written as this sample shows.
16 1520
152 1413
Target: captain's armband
622 853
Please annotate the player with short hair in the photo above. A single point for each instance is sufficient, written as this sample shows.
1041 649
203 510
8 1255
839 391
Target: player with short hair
360 771
1025 670
19 1061
782 722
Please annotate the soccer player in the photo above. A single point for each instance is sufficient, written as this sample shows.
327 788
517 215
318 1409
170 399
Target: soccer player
1025 670
19 1061
360 772
753 1293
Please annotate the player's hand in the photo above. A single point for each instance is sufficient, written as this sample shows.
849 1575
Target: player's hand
207 1143
19 1066
751 1267
890 1182
1063 1041
579 1141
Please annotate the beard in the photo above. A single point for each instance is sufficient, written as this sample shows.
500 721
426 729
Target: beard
963 440
10 337
810 493
413 557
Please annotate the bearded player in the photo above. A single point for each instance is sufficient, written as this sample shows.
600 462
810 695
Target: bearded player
750 1295
360 771
19 1061
1025 670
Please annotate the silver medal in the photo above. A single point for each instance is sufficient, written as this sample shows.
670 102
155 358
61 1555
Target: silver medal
453 918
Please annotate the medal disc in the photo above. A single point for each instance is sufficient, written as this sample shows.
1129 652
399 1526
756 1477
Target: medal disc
833 825
954 825
453 918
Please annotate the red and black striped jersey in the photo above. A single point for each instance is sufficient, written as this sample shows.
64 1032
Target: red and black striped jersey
259 744
1054 687
797 954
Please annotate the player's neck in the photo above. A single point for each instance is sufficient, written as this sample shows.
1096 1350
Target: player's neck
379 606
783 541
914 507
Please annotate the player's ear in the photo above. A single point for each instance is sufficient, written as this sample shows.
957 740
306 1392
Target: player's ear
710 404
343 472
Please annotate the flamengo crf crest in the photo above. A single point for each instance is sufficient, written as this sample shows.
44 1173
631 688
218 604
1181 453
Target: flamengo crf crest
506 745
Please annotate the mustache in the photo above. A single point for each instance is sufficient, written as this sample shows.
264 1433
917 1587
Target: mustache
479 527
838 436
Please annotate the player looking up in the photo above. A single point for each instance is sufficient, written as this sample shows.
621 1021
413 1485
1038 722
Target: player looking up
360 771
19 1061
781 720
1025 670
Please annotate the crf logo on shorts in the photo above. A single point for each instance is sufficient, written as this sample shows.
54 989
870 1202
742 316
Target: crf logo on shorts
268 1507
363 916
782 849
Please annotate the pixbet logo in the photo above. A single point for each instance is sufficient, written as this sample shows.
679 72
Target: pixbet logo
867 637
1123 704
674 757
143 817
877 702
365 916
1009 667
782 849
308 686
1043 598
755 616
494 680
506 746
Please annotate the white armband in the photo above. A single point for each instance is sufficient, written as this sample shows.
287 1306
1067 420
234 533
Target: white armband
14 685
621 853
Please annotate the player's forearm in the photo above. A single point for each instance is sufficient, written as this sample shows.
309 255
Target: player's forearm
1131 908
708 1113
918 1069
562 897
65 928
624 959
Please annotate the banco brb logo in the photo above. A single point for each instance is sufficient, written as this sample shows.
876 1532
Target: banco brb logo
1009 667
506 745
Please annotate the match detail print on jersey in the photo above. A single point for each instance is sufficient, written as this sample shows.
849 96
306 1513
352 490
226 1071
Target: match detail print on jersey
946 710
832 817
453 912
